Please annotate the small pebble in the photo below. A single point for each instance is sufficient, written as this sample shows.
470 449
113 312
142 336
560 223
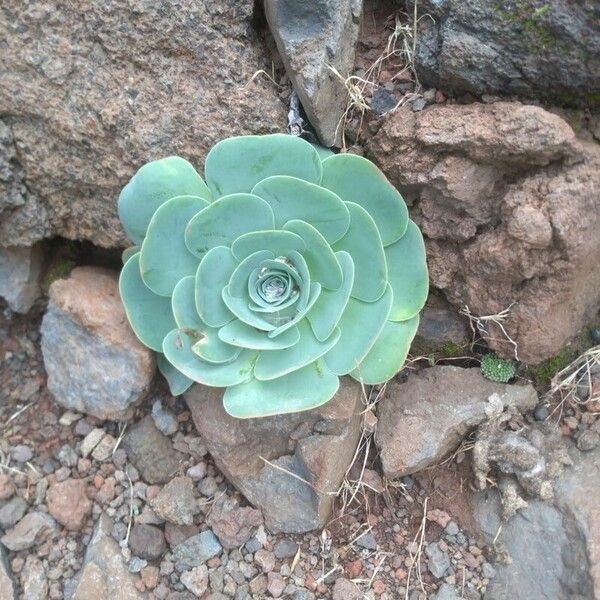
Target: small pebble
588 440
21 453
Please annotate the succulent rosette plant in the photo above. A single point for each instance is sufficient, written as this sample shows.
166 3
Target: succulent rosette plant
285 268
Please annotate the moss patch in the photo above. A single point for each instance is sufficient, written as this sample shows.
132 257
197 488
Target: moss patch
545 371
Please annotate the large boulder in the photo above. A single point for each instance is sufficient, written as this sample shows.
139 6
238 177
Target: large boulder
547 49
509 202
95 364
89 95
424 419
287 465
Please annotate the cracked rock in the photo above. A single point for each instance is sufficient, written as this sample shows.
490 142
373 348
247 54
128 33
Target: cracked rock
258 455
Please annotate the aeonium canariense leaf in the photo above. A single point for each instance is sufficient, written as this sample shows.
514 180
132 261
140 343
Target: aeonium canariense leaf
289 268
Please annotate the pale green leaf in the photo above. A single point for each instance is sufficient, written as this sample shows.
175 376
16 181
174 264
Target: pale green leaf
149 315
407 274
178 382
322 264
240 334
276 363
177 348
237 164
303 389
280 243
363 244
155 183
223 221
165 258
361 324
389 352
356 179
212 276
292 198
330 305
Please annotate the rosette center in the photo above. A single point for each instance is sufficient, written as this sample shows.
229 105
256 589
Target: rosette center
274 285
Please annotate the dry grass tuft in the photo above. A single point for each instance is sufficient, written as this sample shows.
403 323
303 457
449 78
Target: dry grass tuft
399 50
579 382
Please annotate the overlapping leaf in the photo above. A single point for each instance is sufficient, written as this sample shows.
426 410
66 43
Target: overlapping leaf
290 267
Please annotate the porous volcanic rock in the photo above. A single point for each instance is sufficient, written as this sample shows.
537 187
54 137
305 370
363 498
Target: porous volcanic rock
559 539
425 418
68 503
88 96
509 202
258 455
95 364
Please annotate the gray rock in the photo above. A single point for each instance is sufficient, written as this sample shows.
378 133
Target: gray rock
165 420
67 456
12 511
147 541
447 592
285 549
418 104
588 440
104 573
196 550
151 452
367 541
104 448
452 528
439 325
21 453
310 36
290 443
33 580
208 487
196 580
90 441
557 539
175 503
85 324
539 540
382 101
136 564
424 419
438 561
548 50
8 588
20 273
344 589
119 84
32 529
303 595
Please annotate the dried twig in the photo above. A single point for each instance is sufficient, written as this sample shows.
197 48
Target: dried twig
479 325
416 557
568 383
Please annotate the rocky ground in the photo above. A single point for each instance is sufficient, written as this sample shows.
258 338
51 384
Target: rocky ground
461 488
72 497
91 507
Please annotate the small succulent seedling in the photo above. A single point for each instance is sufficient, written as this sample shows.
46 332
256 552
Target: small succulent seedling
285 268
497 369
